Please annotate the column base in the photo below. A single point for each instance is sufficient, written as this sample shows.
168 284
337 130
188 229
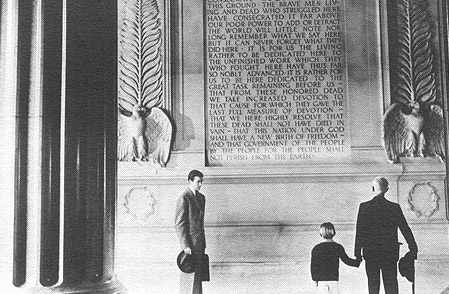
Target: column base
108 287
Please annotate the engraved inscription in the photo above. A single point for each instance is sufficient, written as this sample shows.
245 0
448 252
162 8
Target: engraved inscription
275 82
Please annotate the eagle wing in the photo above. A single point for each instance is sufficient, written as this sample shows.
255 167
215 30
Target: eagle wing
397 136
159 136
434 132
125 145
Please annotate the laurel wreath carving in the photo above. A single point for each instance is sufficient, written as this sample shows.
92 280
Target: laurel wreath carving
140 62
433 205
140 203
415 58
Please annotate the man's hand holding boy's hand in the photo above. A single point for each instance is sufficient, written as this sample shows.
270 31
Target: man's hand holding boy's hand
359 260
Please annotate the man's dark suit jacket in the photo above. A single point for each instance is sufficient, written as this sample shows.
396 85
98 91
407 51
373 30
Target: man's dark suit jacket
189 220
189 223
378 221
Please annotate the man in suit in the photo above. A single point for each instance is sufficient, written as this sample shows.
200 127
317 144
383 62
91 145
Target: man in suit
376 238
189 224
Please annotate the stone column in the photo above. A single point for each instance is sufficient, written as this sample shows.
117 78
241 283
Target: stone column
8 87
444 37
64 98
444 17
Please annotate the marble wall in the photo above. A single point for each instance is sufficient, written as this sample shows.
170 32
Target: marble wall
256 213
266 212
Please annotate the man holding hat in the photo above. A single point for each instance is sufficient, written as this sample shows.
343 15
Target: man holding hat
376 238
189 224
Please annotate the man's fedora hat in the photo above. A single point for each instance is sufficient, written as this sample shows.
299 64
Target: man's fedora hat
407 267
186 262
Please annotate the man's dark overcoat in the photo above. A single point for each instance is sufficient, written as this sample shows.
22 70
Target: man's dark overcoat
378 221
376 240
189 224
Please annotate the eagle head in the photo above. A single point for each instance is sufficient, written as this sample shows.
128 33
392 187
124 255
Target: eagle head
139 111
411 108
414 107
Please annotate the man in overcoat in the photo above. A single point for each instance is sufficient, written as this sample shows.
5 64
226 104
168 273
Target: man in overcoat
189 224
376 239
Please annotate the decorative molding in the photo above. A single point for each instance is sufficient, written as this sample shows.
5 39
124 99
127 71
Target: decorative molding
140 203
423 200
141 174
144 128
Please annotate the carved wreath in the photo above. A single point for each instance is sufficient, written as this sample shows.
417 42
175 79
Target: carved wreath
413 124
139 203
433 207
145 131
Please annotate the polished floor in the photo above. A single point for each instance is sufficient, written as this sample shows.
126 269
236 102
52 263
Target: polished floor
431 277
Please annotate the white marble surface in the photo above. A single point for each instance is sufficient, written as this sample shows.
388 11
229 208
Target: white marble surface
242 263
431 278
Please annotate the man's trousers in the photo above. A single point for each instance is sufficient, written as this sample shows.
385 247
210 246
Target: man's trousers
389 272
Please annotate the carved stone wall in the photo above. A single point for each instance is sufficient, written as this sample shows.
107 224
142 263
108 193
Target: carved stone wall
251 203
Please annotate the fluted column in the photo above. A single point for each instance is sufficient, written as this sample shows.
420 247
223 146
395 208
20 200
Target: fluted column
8 78
64 97
444 37
444 46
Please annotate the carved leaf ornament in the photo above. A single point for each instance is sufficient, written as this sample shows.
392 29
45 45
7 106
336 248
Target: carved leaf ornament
413 125
140 203
140 56
423 200
415 68
145 131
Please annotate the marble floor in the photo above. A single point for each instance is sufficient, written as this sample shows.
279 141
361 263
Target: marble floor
432 277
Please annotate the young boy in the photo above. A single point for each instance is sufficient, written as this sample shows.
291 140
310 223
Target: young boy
325 261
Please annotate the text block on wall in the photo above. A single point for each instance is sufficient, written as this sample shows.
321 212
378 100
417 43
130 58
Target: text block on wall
275 81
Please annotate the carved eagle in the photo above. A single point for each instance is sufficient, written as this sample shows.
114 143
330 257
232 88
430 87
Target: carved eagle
412 130
413 125
144 129
144 134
